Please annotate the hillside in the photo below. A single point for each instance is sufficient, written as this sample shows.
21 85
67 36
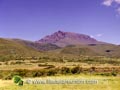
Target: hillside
105 50
12 48
108 50
38 46
58 44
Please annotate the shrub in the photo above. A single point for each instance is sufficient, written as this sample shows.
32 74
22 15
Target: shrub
76 70
114 73
38 73
51 72
65 70
92 69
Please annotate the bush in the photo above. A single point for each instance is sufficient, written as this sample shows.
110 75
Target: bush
76 70
65 70
51 72
38 73
114 73
92 69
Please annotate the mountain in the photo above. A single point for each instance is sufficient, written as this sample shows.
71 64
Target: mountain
38 46
63 39
11 47
79 44
61 43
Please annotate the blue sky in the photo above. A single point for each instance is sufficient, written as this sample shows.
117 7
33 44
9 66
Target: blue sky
34 19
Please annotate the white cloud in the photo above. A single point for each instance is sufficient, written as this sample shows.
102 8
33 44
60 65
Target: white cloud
99 35
107 2
117 1
91 36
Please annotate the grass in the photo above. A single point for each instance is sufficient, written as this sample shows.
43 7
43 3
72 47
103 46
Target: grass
104 83
12 67
30 65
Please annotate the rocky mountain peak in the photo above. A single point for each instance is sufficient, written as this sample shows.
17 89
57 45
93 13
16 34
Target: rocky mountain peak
62 38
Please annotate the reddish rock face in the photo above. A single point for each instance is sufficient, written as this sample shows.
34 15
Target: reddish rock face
62 39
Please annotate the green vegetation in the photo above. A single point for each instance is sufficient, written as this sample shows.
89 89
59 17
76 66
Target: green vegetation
104 83
24 58
10 49
8 74
15 49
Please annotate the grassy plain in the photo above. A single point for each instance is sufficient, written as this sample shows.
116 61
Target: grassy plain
104 83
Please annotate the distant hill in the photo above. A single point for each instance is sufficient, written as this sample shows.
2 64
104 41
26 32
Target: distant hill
108 50
11 47
63 39
59 43
38 46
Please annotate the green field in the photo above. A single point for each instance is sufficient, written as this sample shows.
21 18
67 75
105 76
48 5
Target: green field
104 83
24 58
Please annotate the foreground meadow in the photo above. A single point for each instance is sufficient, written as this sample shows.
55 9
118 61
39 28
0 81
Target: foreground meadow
104 83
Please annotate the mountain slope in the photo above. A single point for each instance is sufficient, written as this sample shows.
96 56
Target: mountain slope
38 46
68 43
11 47
63 39
108 50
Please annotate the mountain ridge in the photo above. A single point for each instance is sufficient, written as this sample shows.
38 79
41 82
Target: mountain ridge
19 47
62 39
